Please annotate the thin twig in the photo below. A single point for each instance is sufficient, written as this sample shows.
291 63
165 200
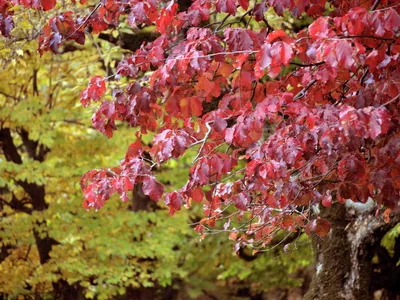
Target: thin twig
222 23
86 20
307 65
302 93
375 5
391 101
98 50
363 37
203 142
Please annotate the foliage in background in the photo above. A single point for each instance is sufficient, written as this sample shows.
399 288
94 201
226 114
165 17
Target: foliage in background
103 252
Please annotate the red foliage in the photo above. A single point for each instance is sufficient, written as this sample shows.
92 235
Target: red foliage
330 90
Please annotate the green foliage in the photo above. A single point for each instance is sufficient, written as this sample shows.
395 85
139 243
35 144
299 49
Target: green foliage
389 240
104 252
215 267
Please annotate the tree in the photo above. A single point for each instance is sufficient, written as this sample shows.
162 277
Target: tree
126 250
217 80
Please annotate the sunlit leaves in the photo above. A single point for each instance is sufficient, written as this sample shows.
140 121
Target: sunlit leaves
319 28
273 56
169 144
95 90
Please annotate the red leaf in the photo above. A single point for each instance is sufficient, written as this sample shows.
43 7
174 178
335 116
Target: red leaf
282 53
244 4
379 122
48 4
392 20
352 168
263 60
259 10
344 54
169 144
205 85
319 226
191 107
327 201
152 188
386 215
238 39
174 200
166 17
95 90
196 194
319 29
233 235
228 6
395 174
241 201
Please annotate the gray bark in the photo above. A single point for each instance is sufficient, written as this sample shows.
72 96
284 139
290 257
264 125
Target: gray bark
343 259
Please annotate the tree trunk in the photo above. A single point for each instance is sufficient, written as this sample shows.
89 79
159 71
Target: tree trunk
343 259
141 202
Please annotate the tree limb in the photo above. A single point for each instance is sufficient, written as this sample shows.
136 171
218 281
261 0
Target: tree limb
8 147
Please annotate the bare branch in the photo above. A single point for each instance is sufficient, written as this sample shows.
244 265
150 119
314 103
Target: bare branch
391 101
375 5
302 93
203 142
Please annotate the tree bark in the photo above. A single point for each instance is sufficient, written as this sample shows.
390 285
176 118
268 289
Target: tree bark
141 202
343 259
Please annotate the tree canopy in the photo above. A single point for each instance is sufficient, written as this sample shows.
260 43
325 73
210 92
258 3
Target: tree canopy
58 249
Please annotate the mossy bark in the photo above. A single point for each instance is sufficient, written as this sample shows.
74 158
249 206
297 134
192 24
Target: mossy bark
343 259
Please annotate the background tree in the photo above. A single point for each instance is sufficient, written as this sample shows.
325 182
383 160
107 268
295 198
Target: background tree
329 91
50 246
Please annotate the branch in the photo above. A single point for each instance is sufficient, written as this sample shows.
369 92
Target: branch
302 93
375 5
222 23
234 22
27 252
203 142
8 147
32 147
8 95
270 28
16 205
391 101
130 41
307 65
366 37
86 20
